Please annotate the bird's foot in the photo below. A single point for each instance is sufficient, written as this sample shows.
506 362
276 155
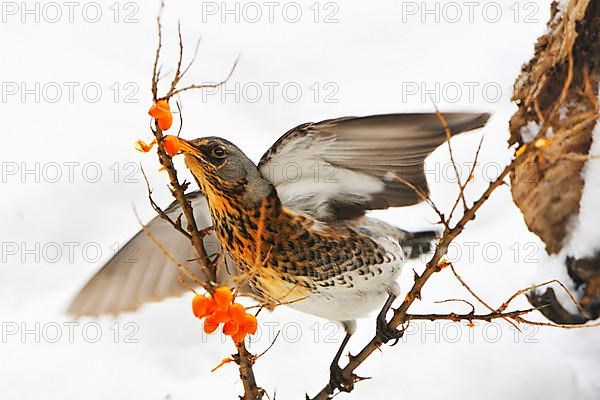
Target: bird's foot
386 333
383 330
337 380
340 381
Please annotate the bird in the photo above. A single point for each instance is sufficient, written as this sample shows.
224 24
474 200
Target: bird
295 224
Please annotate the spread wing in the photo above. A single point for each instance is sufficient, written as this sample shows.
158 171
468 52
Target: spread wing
141 273
339 168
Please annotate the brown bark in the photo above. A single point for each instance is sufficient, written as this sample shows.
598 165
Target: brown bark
547 186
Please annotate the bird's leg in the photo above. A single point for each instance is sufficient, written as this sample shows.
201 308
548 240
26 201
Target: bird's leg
336 379
383 330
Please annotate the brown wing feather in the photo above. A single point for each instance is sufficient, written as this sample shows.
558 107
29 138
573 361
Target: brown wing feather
366 153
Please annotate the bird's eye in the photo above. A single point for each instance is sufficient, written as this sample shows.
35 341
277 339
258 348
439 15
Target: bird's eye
218 152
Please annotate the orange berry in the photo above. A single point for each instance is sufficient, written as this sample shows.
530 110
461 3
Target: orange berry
200 305
221 315
237 312
160 109
212 306
210 324
162 113
223 297
250 324
144 147
171 144
165 123
239 336
231 328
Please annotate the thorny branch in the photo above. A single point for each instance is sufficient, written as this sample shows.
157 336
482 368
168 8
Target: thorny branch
437 262
243 358
434 265
468 317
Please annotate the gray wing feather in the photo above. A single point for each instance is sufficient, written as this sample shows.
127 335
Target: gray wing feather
141 273
339 168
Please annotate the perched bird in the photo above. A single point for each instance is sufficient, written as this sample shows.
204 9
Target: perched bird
295 225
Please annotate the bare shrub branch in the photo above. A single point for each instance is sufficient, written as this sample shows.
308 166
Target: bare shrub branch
243 358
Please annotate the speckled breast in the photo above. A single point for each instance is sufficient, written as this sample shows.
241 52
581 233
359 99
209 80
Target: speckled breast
287 256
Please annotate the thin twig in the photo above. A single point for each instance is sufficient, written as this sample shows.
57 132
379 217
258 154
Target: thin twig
424 197
452 159
268 348
182 269
472 292
160 211
457 301
467 181
539 285
469 317
208 85
186 69
155 69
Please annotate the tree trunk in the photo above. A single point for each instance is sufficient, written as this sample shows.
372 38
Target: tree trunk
557 98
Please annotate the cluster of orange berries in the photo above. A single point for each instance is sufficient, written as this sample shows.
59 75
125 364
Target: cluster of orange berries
220 308
162 113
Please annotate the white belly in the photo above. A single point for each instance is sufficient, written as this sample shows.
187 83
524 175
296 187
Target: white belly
353 299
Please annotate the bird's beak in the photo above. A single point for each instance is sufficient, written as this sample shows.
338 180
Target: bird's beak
187 148
193 157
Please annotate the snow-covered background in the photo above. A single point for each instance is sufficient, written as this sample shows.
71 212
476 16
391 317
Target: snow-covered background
74 98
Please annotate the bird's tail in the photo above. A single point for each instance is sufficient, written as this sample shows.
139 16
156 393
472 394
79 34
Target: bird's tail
415 244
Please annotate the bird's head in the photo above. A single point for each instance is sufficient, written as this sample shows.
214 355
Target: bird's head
223 170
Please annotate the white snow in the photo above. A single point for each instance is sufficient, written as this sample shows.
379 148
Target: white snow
583 241
530 131
368 55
